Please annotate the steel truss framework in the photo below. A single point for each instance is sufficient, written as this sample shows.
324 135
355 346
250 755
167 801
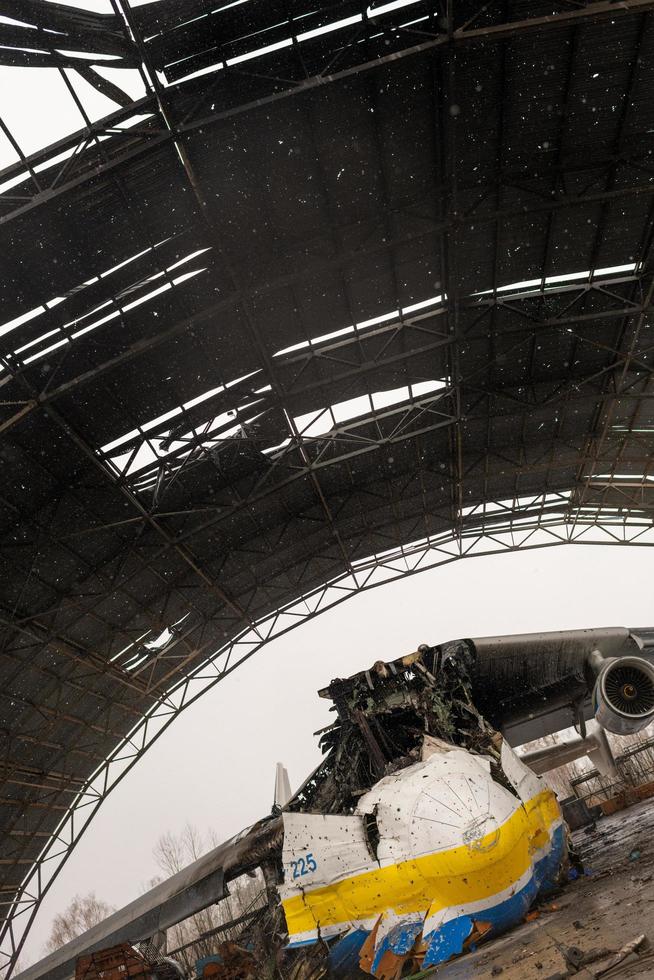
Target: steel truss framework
375 275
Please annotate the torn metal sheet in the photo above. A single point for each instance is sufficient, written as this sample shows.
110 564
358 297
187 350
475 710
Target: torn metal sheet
454 848
523 779
341 839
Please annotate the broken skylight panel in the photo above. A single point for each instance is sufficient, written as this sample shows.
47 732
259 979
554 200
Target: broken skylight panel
622 477
34 127
37 311
379 9
143 649
116 313
570 277
321 422
516 503
510 505
298 39
361 325
174 412
155 450
67 329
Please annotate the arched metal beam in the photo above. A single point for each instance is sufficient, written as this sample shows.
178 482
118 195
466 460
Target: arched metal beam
544 524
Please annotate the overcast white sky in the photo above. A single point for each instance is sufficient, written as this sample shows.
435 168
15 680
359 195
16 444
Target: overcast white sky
215 765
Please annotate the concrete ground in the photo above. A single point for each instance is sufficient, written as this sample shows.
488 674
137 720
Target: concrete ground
606 909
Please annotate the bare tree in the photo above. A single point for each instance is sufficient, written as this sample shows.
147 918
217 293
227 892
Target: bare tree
83 912
172 852
196 936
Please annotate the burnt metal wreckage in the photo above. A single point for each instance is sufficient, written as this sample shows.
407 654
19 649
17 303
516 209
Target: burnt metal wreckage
422 832
346 291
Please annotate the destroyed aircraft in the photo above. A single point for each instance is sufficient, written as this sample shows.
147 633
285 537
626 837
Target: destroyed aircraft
422 832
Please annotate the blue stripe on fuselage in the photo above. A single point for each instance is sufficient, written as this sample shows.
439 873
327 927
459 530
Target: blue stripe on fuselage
448 940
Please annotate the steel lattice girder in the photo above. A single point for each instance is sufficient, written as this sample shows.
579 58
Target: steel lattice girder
392 288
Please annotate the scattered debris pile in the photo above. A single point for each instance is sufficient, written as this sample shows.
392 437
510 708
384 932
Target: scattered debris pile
233 962
123 962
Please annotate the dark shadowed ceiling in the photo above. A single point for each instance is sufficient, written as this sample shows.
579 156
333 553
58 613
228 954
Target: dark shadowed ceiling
343 276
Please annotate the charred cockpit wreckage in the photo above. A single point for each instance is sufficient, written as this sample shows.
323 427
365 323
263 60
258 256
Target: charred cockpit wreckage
422 832
425 829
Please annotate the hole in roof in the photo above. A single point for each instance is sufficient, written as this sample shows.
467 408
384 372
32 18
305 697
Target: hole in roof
570 277
97 6
33 120
510 503
177 447
145 456
46 111
144 649
97 105
174 412
623 477
174 449
630 428
160 641
37 122
37 311
361 325
68 328
323 420
301 37
129 646
166 635
15 23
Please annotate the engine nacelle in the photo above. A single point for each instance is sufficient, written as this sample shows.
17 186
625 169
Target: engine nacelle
623 696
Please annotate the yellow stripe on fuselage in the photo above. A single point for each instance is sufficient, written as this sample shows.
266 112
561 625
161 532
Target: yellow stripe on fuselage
436 881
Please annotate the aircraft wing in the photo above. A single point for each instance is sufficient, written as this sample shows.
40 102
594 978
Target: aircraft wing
534 684
192 889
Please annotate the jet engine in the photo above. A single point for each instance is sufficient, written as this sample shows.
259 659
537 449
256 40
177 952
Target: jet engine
623 695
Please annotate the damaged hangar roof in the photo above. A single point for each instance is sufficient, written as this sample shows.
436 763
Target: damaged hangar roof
345 278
